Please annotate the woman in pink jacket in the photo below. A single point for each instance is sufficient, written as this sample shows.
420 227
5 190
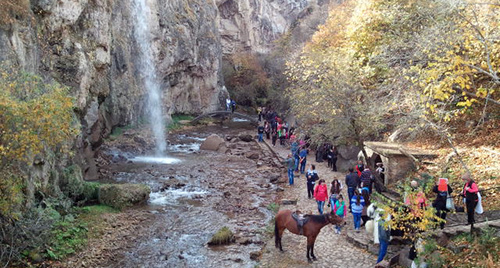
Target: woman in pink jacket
321 194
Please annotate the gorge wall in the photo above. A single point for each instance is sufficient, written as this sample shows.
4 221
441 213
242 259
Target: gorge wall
89 46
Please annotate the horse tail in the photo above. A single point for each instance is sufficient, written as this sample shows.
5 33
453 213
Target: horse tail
276 234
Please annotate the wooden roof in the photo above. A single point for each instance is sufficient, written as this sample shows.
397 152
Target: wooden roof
391 148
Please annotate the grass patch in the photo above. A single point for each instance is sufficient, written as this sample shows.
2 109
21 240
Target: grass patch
71 234
176 118
222 237
273 207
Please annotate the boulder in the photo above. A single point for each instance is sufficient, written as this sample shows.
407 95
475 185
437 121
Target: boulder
212 143
348 152
123 195
252 155
246 137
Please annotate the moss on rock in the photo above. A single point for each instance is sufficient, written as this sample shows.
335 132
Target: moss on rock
123 195
222 237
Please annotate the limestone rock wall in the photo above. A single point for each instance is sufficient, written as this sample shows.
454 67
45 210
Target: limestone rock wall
253 25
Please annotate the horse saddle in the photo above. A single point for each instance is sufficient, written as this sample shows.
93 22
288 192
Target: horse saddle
301 220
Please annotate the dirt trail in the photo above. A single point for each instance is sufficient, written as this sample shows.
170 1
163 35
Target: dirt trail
331 249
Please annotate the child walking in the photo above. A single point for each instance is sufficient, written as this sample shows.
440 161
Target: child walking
357 204
340 210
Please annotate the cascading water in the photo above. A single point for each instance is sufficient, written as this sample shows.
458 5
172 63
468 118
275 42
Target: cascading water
147 69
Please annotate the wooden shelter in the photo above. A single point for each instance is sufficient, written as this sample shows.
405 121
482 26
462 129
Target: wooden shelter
397 159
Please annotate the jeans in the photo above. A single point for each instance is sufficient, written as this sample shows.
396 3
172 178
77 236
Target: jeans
383 250
261 137
339 227
332 202
321 204
290 176
303 166
297 163
357 220
350 192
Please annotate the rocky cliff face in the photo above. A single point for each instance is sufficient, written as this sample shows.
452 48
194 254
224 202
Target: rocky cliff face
253 25
89 46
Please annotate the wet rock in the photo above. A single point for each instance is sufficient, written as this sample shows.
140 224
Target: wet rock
140 140
279 189
273 178
229 138
288 202
255 255
246 137
227 194
123 195
212 143
252 155
180 257
238 260
259 164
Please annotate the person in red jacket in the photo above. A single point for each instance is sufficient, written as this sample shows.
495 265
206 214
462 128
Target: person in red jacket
359 168
470 193
321 194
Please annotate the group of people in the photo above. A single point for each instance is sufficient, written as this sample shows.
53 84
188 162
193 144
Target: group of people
359 182
230 105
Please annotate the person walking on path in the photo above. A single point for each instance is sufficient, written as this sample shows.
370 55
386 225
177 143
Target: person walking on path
469 192
357 205
259 112
312 177
303 160
334 192
274 137
332 158
359 168
267 129
233 106
340 210
367 179
290 163
384 235
443 190
260 131
352 181
321 194
228 104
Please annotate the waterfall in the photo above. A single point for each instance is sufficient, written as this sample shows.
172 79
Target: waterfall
147 70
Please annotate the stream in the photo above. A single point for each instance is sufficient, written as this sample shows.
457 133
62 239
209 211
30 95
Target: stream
193 194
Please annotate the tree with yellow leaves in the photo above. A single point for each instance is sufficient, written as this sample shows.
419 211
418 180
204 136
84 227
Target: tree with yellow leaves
35 117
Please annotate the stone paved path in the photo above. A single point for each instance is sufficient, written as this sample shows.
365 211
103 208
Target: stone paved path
332 250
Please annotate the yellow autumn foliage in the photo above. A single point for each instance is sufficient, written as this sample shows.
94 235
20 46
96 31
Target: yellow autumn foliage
35 116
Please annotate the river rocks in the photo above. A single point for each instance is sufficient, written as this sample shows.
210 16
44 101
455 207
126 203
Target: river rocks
252 155
246 138
212 143
255 255
123 195
288 202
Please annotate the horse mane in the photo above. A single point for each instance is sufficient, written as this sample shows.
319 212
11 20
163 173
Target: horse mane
318 218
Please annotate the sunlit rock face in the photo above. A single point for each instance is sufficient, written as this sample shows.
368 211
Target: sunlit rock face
253 25
90 46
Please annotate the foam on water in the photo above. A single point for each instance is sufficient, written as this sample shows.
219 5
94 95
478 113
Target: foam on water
155 160
240 120
185 148
169 197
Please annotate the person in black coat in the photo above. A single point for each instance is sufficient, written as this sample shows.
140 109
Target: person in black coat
442 189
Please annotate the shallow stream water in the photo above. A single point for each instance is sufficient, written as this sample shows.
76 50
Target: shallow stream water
194 194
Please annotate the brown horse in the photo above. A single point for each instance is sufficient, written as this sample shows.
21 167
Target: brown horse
311 229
